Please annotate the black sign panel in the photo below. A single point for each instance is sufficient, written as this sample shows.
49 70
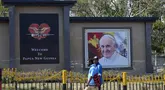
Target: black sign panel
39 39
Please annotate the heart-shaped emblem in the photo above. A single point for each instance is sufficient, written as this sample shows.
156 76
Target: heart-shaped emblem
39 31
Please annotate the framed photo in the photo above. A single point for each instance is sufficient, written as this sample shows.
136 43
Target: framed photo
111 45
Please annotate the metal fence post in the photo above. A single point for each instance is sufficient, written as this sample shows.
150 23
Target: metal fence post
124 81
64 79
164 82
0 78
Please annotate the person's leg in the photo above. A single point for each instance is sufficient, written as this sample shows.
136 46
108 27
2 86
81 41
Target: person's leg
93 88
86 88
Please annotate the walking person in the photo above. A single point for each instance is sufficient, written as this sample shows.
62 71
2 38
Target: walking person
99 66
92 83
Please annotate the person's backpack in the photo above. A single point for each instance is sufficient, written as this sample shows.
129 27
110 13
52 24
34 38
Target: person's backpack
96 79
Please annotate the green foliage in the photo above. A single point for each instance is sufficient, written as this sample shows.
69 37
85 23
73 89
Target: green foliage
147 8
118 8
4 12
98 8
158 37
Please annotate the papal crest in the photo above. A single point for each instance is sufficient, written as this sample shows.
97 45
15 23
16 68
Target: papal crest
39 31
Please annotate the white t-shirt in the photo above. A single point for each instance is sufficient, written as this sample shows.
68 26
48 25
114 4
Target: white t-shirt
116 60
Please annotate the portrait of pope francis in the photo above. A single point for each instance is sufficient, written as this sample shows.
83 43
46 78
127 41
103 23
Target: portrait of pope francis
111 46
110 56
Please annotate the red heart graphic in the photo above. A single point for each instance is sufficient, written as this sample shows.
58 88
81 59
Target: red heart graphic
39 31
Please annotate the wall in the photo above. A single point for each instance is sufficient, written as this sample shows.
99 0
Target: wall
4 45
38 9
138 43
76 42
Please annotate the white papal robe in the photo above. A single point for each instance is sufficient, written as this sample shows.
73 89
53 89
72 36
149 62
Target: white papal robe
116 60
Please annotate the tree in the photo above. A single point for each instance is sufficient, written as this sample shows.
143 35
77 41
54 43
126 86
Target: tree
114 8
99 8
3 11
158 37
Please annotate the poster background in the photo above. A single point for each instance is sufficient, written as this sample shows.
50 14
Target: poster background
50 42
122 37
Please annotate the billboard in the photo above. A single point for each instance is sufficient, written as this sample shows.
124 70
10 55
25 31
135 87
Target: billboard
39 38
112 46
